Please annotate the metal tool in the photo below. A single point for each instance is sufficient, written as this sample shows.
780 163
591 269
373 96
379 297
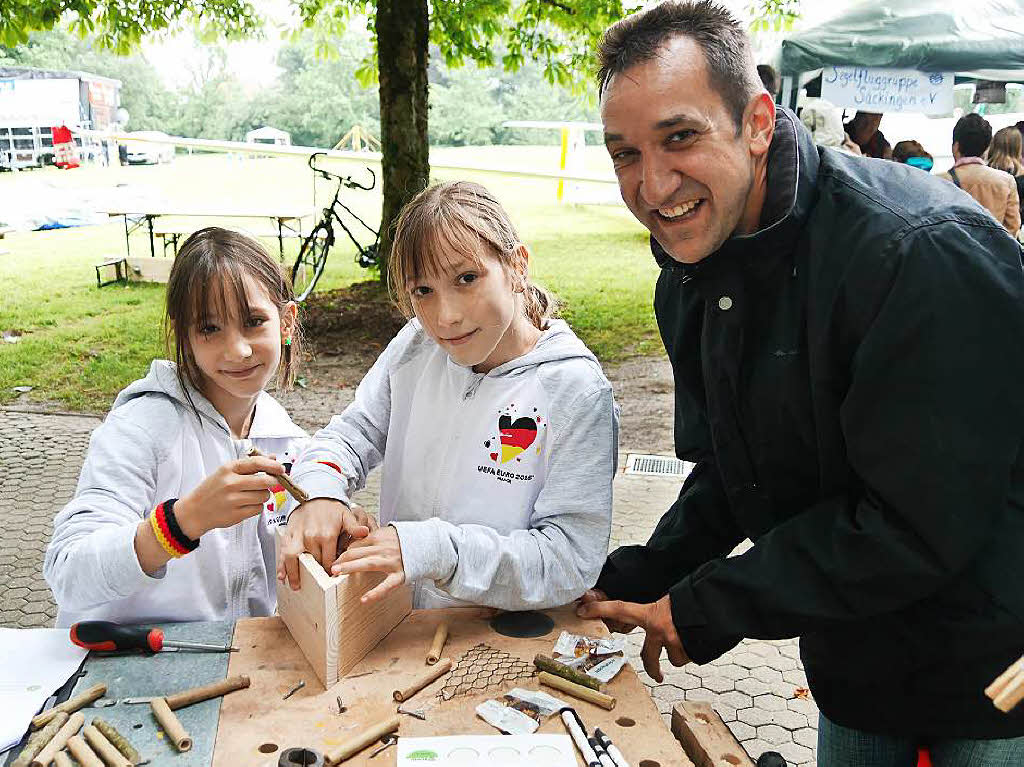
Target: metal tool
107 636
104 702
417 713
300 757
341 706
388 741
294 690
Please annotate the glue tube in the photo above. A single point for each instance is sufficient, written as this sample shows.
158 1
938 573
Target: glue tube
579 736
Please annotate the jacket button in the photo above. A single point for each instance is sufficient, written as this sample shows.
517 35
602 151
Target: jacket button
725 303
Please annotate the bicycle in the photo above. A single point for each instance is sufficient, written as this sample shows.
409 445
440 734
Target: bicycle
313 253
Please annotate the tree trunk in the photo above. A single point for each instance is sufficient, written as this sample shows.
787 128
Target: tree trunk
402 47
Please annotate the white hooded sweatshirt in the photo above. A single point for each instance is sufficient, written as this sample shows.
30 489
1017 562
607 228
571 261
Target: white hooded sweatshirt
499 484
151 448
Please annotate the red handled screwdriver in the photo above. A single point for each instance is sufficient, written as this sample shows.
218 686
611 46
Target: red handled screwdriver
104 635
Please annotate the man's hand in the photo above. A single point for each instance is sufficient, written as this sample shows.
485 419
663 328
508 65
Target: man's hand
379 552
323 527
656 620
616 626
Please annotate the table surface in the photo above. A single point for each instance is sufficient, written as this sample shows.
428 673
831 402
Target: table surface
256 724
149 210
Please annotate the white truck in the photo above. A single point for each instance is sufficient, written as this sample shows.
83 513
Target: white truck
33 101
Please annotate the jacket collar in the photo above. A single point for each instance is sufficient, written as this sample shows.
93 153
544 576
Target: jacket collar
792 180
271 420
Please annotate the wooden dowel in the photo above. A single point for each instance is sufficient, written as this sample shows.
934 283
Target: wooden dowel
294 490
61 759
172 726
120 742
1004 679
552 666
84 755
358 742
57 742
1011 695
70 706
39 739
577 690
440 637
108 753
207 691
438 671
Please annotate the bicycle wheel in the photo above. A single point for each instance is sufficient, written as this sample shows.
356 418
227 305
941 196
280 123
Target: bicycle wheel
312 258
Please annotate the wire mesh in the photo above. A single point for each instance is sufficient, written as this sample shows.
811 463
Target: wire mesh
482 667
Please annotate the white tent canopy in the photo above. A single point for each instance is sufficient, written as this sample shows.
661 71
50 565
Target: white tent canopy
268 135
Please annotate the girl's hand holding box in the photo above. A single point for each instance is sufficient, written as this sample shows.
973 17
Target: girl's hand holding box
379 552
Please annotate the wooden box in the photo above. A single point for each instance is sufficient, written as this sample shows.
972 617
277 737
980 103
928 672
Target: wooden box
330 625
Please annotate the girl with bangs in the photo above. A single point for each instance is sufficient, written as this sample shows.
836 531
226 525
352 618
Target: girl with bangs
495 426
172 521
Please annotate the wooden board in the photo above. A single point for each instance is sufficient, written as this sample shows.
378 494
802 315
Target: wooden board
257 718
149 269
706 738
331 626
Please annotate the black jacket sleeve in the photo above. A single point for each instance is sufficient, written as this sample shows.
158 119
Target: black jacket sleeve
699 525
933 425
696 528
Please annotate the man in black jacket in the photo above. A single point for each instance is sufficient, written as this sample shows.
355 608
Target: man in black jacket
847 341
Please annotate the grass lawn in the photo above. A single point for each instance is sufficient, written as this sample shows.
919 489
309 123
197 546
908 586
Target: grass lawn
81 345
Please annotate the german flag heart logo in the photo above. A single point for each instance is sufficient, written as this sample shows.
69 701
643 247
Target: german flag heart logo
277 498
516 436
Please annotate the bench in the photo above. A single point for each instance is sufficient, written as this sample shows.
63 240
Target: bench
120 265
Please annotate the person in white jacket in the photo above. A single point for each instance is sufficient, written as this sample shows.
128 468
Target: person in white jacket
495 425
171 520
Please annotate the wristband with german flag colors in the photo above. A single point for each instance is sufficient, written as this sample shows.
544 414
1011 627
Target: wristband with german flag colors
168 532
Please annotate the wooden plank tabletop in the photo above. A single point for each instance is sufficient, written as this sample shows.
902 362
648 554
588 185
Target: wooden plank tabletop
256 724
148 210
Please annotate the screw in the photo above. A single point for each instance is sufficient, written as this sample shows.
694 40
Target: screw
418 713
341 706
388 741
294 690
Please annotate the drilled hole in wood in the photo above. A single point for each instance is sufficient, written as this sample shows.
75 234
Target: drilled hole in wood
624 721
704 718
649 763
268 748
730 759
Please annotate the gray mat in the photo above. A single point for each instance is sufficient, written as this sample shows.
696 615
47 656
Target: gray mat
133 676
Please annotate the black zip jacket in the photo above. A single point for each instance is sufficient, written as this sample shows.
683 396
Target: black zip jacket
848 381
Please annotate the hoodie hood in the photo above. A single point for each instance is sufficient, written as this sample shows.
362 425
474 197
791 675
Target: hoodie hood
270 420
557 343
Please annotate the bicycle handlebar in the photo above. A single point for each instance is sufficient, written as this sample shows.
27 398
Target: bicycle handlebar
348 181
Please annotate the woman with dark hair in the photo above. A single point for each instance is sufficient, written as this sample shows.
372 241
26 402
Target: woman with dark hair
912 153
863 129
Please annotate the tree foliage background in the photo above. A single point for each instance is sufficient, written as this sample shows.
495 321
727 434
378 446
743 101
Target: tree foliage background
317 98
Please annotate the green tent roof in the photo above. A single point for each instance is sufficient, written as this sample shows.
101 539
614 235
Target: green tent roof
983 39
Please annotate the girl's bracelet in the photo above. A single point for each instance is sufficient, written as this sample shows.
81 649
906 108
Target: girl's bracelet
168 531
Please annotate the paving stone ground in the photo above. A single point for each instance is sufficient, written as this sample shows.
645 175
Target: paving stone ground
756 688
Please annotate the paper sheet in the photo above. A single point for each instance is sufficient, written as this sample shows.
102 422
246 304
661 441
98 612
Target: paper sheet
493 750
34 663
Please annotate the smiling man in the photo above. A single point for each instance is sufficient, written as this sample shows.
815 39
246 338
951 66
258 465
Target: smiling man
847 340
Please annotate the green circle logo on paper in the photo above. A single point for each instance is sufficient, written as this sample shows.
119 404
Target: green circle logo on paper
423 755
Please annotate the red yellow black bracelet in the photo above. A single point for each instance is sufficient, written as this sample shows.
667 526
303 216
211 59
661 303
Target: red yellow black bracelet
168 532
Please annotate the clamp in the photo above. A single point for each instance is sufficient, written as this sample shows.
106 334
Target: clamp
301 757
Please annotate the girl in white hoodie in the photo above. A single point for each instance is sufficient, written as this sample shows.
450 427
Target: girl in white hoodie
495 426
171 520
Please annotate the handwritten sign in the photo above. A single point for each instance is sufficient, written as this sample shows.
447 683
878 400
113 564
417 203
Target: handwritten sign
872 89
